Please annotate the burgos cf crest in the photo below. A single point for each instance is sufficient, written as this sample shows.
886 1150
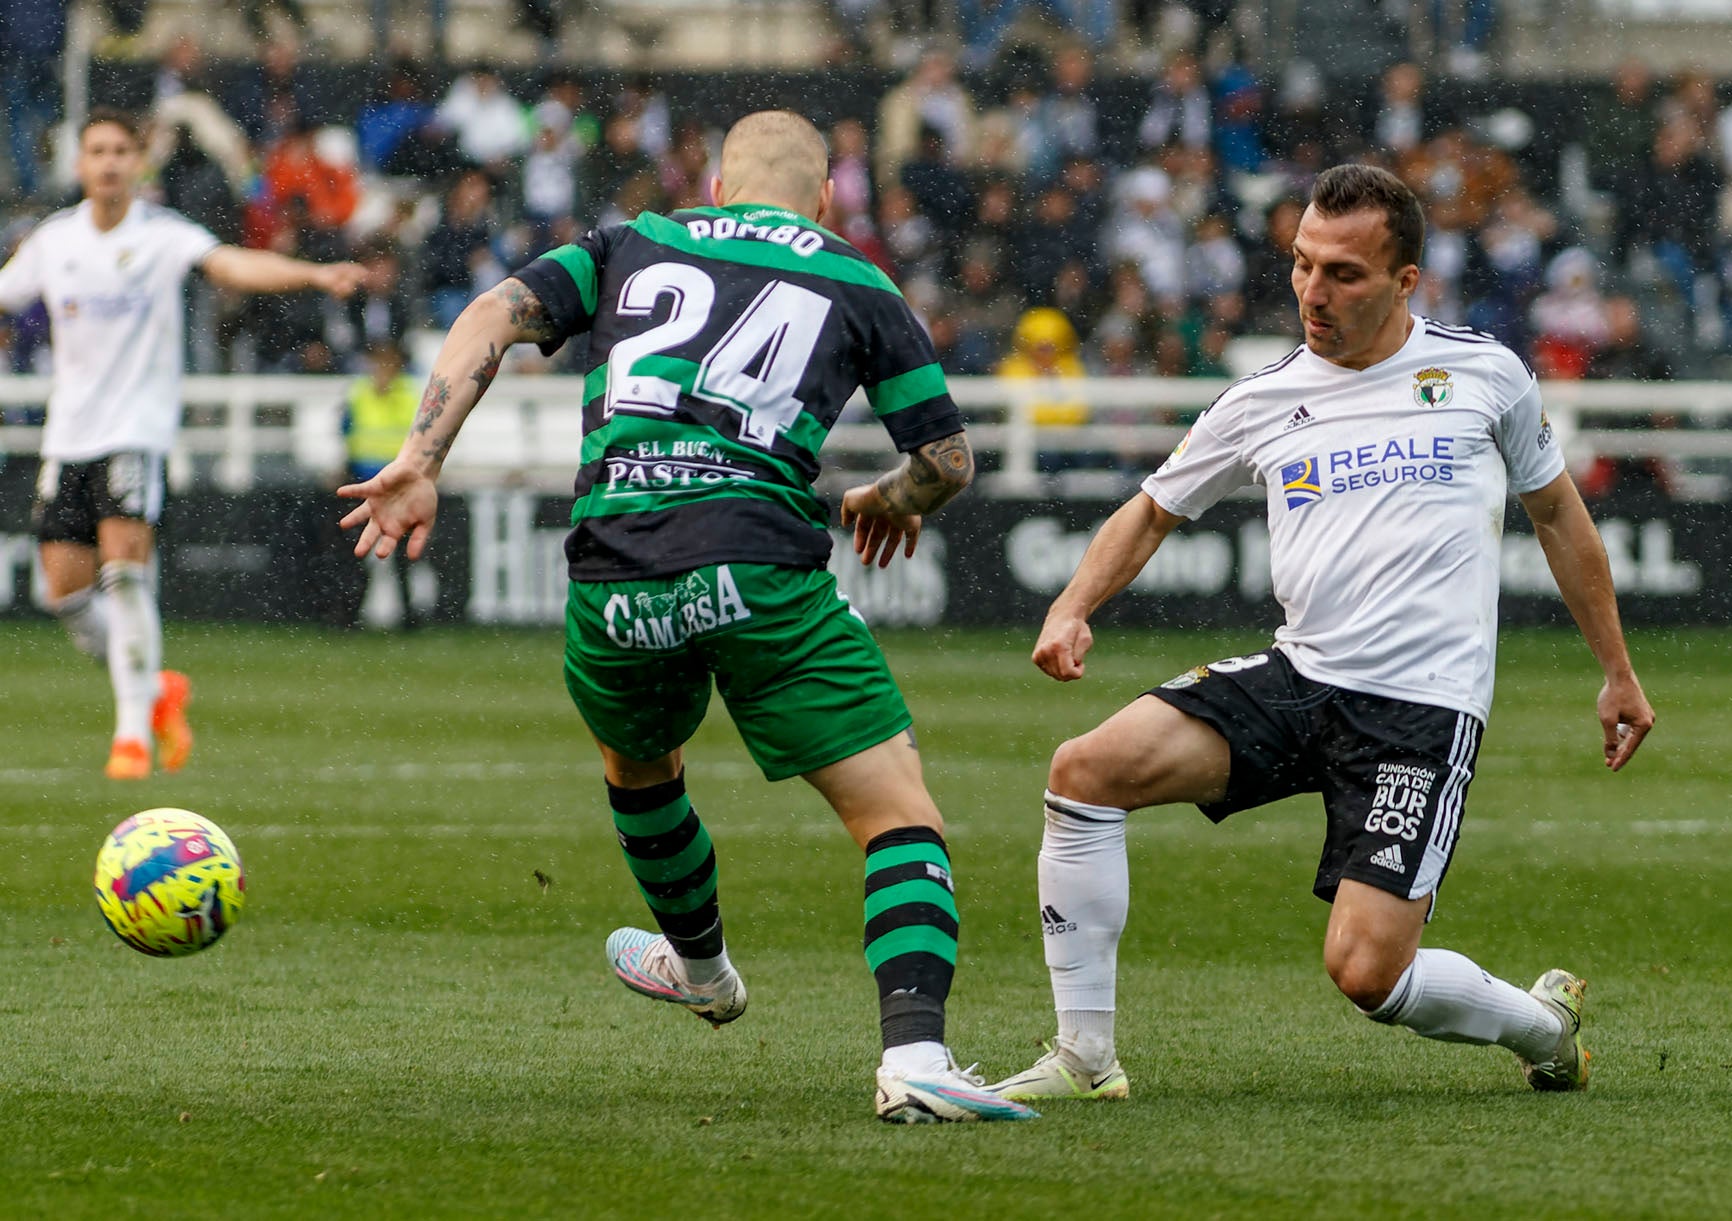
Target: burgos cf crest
1432 387
1299 480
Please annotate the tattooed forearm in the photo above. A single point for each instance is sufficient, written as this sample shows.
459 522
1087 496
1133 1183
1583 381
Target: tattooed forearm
439 449
433 403
486 371
526 311
932 475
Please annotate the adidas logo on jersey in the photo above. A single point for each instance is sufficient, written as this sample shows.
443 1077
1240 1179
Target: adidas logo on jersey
1299 418
1053 924
1390 858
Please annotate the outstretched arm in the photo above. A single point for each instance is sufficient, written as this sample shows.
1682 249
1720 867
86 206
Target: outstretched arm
265 271
1117 553
889 511
402 500
1578 562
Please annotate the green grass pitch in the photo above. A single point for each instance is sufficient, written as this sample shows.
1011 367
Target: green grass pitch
404 1024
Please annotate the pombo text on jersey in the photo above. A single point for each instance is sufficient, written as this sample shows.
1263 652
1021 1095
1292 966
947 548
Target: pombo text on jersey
168 882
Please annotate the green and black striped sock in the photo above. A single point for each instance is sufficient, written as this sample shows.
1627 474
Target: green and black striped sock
670 855
911 928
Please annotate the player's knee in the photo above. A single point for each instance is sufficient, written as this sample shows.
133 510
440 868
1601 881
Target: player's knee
1364 974
1076 771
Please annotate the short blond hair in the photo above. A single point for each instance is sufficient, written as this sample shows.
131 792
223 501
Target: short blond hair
775 155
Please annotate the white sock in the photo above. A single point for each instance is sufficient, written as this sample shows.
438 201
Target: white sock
699 971
134 646
1445 995
916 1059
84 615
1085 895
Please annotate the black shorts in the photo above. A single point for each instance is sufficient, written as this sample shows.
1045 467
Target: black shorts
1393 774
71 497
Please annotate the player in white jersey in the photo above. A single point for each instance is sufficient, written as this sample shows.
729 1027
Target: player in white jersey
1387 445
110 272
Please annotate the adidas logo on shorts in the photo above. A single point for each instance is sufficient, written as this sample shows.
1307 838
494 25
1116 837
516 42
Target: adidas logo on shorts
1390 858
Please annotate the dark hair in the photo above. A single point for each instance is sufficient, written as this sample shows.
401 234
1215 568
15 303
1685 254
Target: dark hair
123 119
1341 189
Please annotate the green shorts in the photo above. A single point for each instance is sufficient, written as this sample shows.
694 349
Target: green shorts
800 673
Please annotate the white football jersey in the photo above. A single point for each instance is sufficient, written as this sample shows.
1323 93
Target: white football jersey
115 308
1386 491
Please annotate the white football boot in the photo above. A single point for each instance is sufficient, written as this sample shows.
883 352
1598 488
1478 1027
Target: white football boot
647 964
950 1095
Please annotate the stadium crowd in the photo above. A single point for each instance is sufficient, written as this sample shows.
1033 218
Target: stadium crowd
1032 236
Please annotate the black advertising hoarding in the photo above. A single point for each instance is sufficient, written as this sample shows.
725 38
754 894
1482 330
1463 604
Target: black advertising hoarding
277 556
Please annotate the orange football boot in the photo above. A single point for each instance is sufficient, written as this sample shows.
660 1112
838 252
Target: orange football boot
168 720
129 759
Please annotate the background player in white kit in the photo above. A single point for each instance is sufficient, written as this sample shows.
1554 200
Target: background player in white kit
1386 443
110 271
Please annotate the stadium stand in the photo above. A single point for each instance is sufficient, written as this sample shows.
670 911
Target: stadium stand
1131 204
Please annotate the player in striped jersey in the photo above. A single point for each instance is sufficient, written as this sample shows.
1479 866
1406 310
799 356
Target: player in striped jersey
110 272
724 342
1387 445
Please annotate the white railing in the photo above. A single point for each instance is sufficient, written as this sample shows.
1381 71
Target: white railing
241 431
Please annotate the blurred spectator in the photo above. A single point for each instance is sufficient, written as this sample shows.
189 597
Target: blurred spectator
548 184
850 169
1144 231
987 310
620 159
1214 265
1085 179
1503 267
1625 354
1677 211
194 184
564 87
381 311
930 97
1073 294
1269 306
686 169
1399 121
1193 184
278 98
647 107
1180 111
1044 344
395 129
288 330
1115 350
1620 131
32 41
311 170
1052 236
995 213
1570 319
909 237
377 413
940 190
1306 133
987 23
485 119
1239 119
1065 122
456 254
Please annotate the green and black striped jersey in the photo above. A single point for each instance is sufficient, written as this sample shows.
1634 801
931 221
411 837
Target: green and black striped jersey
723 345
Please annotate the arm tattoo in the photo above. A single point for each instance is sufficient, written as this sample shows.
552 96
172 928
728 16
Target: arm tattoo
486 371
433 402
932 475
526 311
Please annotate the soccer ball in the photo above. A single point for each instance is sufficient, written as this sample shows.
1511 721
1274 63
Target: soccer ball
168 882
